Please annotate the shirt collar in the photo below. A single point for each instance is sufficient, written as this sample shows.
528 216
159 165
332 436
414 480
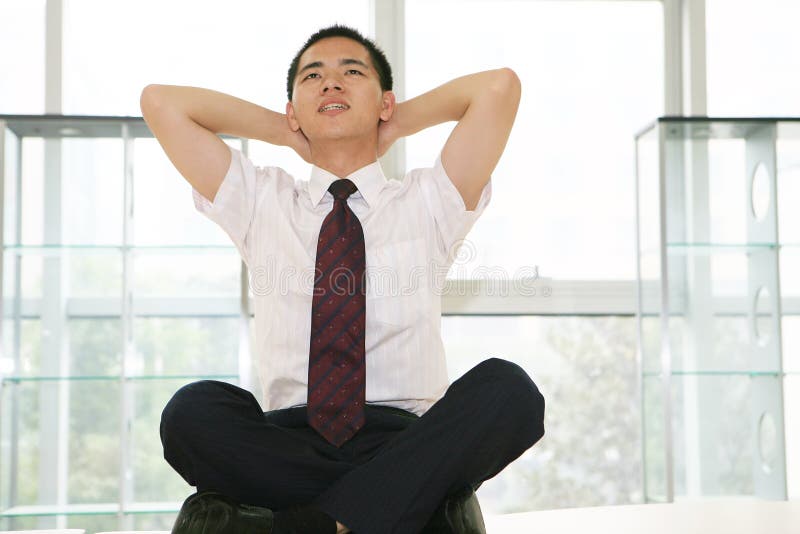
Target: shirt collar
369 180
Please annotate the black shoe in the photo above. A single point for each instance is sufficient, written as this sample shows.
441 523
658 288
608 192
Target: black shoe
209 511
459 513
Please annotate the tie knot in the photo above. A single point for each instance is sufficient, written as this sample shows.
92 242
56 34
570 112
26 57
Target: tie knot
341 189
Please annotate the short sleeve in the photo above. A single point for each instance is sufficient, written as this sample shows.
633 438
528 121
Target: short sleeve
234 206
446 206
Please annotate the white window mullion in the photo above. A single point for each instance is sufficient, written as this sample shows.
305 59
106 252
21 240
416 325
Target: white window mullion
54 399
387 25
126 400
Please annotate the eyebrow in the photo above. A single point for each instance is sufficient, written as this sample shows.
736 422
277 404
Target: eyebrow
345 61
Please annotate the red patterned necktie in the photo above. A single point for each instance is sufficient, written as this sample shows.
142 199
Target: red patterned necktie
336 366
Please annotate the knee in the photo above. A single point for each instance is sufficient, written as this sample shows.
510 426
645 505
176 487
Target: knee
526 403
182 409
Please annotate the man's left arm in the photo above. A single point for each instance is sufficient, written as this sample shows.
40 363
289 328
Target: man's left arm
484 104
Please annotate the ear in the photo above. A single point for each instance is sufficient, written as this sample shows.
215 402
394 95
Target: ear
387 105
293 124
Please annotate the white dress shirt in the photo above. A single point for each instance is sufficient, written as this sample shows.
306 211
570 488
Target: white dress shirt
412 229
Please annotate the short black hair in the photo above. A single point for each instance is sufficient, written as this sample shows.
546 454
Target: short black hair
378 58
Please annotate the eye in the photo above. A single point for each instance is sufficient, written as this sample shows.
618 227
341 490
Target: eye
312 74
354 70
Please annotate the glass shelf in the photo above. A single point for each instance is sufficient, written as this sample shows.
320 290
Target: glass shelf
734 247
58 249
81 424
717 411
683 128
91 509
699 249
716 372
710 303
78 126
67 126
18 379
153 508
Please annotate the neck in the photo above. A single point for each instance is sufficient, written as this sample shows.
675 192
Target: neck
342 157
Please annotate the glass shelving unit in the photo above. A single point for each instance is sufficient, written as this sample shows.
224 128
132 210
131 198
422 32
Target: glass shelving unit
95 324
710 304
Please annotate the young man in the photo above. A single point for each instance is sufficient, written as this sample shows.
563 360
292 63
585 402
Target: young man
361 431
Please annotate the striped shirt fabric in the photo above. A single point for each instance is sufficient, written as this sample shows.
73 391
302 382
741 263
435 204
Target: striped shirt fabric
412 230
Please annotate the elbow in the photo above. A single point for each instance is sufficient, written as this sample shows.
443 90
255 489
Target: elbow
507 84
148 98
507 76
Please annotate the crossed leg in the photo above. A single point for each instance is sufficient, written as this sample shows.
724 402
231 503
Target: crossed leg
216 436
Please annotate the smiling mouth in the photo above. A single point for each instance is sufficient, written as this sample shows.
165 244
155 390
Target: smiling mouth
334 107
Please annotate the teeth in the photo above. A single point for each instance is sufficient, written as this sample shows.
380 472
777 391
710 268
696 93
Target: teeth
333 106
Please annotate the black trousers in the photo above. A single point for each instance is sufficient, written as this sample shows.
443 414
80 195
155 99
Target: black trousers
389 478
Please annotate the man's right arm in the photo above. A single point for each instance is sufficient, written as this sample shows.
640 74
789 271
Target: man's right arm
186 121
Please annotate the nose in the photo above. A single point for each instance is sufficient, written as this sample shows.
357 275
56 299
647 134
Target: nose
331 82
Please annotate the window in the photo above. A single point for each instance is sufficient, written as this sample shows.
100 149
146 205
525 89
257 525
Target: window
591 77
22 73
112 50
185 317
563 201
752 70
586 369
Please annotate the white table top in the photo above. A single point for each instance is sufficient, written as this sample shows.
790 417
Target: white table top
728 516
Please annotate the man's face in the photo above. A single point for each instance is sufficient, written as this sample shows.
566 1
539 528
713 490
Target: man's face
337 70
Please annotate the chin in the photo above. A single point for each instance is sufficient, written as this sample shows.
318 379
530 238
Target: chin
333 134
